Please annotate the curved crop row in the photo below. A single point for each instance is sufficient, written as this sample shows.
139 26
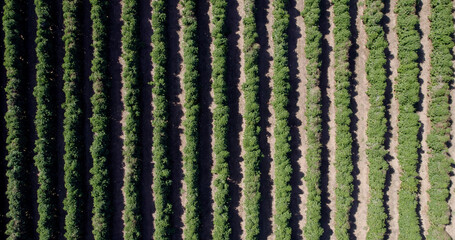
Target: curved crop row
251 117
343 139
72 122
45 120
312 14
162 177
100 180
407 89
376 122
282 129
441 34
19 222
190 151
222 228
131 151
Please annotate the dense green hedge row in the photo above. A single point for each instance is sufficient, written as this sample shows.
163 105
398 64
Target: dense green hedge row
252 118
343 139
72 122
162 177
441 34
282 129
376 122
222 228
190 151
131 150
45 119
312 14
407 89
19 224
100 181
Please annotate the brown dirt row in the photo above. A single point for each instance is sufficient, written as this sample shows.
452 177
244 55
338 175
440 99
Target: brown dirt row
298 94
331 144
392 193
241 109
176 116
424 119
363 106
272 122
116 109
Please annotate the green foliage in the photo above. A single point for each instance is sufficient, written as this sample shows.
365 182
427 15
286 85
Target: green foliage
73 203
162 177
282 130
222 228
45 120
131 151
439 112
190 151
343 139
376 122
252 118
407 89
312 14
19 222
100 181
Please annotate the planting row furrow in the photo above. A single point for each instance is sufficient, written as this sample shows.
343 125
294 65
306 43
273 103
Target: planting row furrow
312 14
131 151
282 129
222 228
45 119
343 139
162 172
17 158
441 76
100 180
72 122
190 123
407 89
252 118
377 123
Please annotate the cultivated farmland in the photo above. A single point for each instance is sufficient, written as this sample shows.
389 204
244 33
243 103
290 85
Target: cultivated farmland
227 119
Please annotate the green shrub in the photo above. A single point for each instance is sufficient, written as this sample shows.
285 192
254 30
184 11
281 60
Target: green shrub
100 180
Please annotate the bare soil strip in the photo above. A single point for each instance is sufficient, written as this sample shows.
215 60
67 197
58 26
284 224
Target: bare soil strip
116 109
297 62
272 121
176 113
206 188
363 107
147 203
392 193
87 92
233 76
241 109
264 64
424 119
331 144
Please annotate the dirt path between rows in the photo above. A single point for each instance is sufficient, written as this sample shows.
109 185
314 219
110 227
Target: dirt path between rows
423 113
363 106
265 89
147 203
241 110
206 188
297 100
176 99
116 110
331 144
392 193
272 122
